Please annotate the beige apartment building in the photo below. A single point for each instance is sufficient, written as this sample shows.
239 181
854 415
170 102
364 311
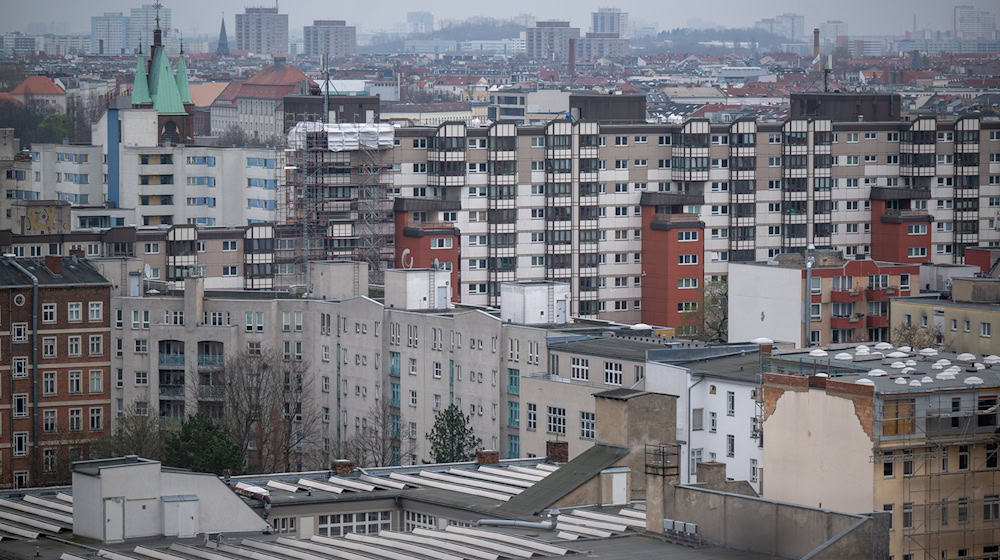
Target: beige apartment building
964 322
919 442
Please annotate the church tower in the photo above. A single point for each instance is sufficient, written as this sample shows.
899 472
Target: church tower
158 87
223 47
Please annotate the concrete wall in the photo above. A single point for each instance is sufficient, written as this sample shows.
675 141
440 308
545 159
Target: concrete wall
818 462
415 289
219 509
87 497
782 529
764 301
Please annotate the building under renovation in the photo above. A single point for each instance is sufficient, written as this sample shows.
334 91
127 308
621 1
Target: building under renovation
907 431
335 194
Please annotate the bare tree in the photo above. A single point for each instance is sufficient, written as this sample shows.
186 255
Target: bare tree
374 443
917 337
269 412
715 312
134 434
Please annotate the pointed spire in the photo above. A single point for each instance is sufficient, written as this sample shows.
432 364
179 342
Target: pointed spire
222 49
140 87
182 80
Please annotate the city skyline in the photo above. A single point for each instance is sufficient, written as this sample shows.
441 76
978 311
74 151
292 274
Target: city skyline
884 18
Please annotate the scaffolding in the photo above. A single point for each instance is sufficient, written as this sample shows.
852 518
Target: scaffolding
947 465
334 199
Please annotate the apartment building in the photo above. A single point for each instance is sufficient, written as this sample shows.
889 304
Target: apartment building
550 40
918 442
848 299
256 106
15 171
910 191
330 37
962 321
56 319
262 31
716 387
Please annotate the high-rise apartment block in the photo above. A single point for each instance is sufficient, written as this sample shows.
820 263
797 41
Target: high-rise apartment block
333 38
610 20
550 40
262 31
580 201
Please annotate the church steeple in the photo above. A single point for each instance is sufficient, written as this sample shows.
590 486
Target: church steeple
182 79
140 86
157 33
223 47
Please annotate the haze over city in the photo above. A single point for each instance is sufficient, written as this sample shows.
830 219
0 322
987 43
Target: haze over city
458 280
201 16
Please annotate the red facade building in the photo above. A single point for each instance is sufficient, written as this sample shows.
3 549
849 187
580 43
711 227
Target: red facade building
55 375
673 246
425 234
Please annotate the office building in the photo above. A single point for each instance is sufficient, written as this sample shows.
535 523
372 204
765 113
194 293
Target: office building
789 26
550 40
262 31
108 34
911 432
970 22
57 313
330 37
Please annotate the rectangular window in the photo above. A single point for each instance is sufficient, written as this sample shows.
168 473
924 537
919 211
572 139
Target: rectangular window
730 445
588 425
613 373
697 419
532 423
556 420
730 403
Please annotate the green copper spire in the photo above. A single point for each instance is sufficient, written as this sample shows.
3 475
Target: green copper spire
163 86
140 88
182 79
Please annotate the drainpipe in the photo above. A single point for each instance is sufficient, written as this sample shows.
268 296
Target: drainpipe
36 452
689 424
807 304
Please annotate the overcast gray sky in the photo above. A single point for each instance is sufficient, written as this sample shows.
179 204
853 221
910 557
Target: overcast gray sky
202 16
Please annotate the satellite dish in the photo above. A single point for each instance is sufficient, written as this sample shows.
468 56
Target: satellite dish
147 271
403 259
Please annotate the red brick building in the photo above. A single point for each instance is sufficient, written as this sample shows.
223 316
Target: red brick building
425 232
55 374
901 233
673 271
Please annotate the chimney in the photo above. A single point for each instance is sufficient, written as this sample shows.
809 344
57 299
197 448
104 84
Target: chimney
557 451
343 466
54 264
487 457
572 58
815 48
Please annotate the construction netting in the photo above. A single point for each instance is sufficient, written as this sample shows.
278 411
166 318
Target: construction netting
340 137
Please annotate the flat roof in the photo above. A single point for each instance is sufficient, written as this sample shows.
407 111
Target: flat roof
607 347
926 371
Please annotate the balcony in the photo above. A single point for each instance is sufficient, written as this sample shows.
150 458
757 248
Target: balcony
877 321
172 392
675 221
845 296
172 360
210 360
851 322
879 294
897 216
210 392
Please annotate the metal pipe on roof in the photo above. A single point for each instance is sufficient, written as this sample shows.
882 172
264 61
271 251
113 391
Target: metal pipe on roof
515 523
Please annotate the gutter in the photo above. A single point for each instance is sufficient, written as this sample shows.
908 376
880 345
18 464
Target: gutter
35 444
702 378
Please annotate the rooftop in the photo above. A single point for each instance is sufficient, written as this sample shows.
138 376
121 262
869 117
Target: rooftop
893 370
74 272
607 347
